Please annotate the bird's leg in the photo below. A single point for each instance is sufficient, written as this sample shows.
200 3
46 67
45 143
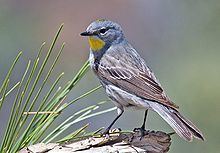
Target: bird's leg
145 118
142 128
120 112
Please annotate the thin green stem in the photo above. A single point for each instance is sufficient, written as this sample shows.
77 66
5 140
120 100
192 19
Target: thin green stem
12 89
8 134
18 145
8 76
19 111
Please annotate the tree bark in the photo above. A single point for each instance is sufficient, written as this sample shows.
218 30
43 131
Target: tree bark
151 142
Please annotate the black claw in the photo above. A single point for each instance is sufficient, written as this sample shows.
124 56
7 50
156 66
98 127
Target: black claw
141 130
106 132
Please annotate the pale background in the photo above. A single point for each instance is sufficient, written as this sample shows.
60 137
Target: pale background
178 39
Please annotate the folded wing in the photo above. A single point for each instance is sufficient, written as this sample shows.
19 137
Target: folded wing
133 80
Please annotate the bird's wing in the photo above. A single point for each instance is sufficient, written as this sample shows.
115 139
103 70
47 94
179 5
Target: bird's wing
133 76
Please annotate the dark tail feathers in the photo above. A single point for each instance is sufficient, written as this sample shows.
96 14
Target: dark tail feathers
182 126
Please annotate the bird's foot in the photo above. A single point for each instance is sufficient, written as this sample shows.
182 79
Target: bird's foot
105 133
109 132
142 131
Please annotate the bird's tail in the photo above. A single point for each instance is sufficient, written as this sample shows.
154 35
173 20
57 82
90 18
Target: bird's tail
182 126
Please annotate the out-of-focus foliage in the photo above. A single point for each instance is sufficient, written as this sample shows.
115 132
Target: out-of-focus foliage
178 39
28 123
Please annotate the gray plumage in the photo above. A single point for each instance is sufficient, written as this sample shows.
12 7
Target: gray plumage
129 82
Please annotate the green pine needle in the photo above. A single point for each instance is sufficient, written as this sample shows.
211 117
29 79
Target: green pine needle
26 126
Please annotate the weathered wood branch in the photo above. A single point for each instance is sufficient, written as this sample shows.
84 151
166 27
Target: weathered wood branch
152 142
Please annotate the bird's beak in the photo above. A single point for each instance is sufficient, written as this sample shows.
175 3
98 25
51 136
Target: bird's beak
86 33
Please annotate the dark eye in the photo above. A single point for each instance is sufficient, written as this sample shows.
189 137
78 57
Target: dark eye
102 31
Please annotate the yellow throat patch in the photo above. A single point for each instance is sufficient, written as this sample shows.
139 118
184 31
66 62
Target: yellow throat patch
95 43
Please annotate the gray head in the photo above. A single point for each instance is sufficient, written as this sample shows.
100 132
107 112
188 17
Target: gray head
103 30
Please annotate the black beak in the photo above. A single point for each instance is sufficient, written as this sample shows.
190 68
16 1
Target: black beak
86 34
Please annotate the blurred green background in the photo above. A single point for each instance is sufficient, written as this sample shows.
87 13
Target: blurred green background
180 40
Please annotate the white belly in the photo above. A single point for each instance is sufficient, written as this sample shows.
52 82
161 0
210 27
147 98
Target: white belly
122 98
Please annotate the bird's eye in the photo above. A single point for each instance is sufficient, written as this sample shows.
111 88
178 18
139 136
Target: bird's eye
102 31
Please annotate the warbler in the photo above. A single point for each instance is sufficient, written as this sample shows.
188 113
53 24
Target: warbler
128 81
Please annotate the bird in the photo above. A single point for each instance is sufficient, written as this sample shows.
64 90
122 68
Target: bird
128 81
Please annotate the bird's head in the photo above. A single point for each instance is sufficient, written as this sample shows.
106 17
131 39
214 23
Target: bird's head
103 33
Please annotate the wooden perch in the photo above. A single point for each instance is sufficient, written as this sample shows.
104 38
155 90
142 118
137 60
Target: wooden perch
152 142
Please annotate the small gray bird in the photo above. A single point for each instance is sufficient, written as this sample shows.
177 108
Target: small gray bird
128 81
